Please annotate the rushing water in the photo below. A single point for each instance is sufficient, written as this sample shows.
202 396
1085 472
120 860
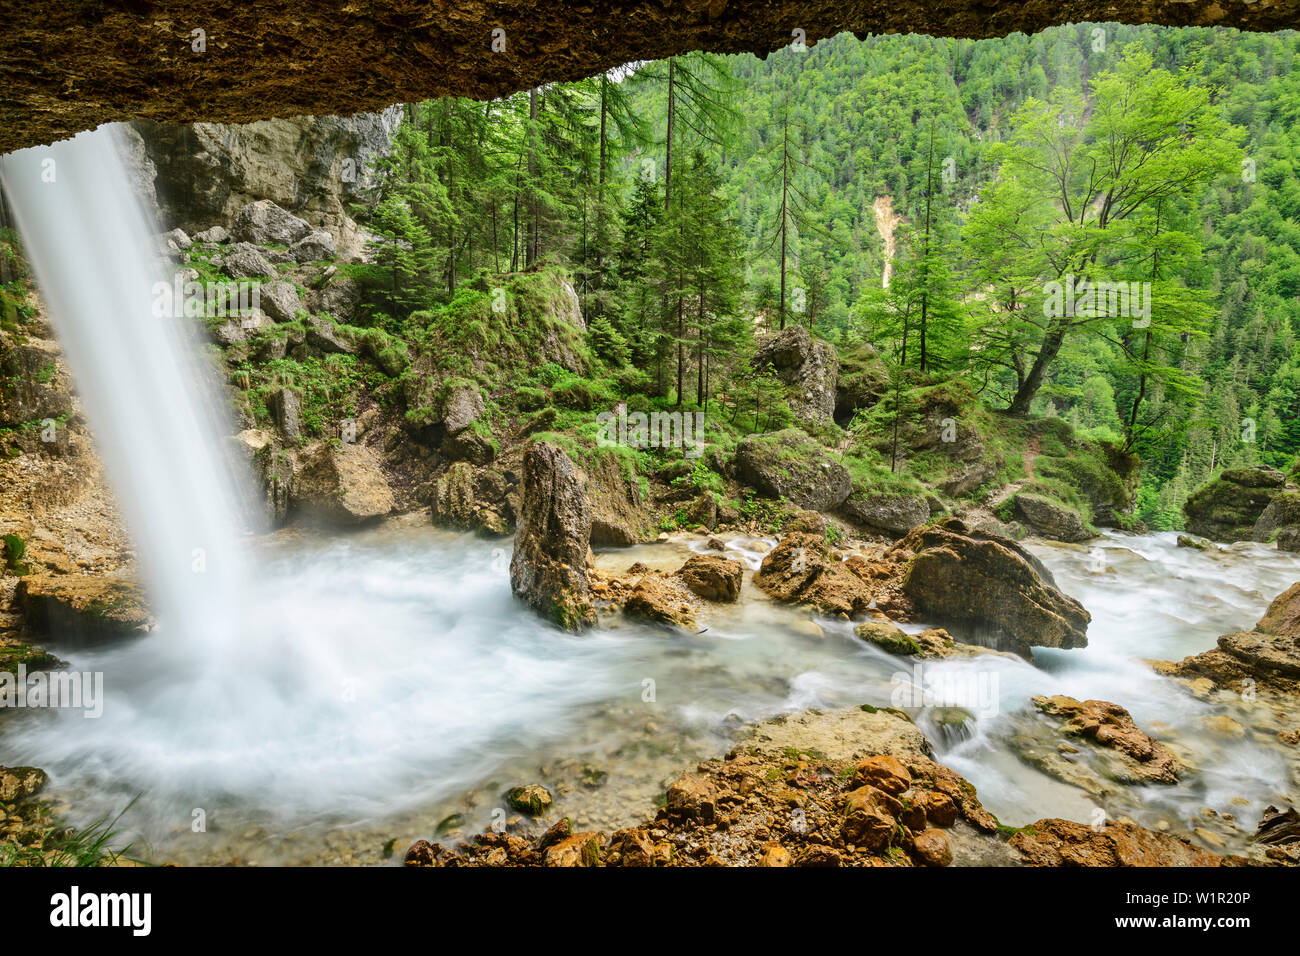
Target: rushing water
393 682
313 698
153 404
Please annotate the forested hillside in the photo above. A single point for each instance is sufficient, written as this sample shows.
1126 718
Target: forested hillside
934 199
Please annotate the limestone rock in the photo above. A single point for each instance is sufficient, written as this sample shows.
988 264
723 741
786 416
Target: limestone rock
80 607
245 261
802 570
314 246
341 482
809 366
788 464
713 577
1142 759
280 300
264 223
548 568
989 590
1057 842
1049 519
1228 508
889 514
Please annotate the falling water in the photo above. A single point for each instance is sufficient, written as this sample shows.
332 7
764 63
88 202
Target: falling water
151 402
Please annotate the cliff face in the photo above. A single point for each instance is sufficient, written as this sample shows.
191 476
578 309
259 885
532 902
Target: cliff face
201 174
69 67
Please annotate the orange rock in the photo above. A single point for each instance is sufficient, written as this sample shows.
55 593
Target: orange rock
885 773
930 848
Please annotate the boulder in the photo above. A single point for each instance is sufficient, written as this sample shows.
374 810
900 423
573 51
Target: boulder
1227 508
339 299
1136 757
341 482
662 598
273 470
286 409
1049 519
788 464
888 514
76 608
933 643
809 366
1282 512
712 577
802 570
214 235
548 568
1058 842
32 385
264 223
863 379
279 300
244 260
989 590
462 407
313 247
325 337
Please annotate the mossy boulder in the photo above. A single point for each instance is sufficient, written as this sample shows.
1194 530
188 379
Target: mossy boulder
1051 519
1227 508
789 464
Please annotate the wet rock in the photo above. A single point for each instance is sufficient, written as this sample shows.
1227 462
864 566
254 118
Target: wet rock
802 570
581 849
341 482
1228 508
548 568
32 385
694 797
1195 543
74 607
788 464
889 514
1057 842
809 366
469 499
1049 519
264 223
1268 655
884 773
19 783
774 854
931 643
930 848
1138 758
1005 598
533 799
663 599
713 577
423 853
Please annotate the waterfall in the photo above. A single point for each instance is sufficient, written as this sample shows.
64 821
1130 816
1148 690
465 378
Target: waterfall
150 397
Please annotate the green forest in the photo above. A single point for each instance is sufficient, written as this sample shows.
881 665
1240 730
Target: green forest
1099 223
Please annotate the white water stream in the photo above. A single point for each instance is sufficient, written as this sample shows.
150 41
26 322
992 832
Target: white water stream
315 697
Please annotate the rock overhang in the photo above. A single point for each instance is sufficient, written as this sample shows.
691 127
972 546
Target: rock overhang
69 67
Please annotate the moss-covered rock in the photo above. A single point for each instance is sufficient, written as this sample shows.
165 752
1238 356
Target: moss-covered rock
789 464
1228 507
